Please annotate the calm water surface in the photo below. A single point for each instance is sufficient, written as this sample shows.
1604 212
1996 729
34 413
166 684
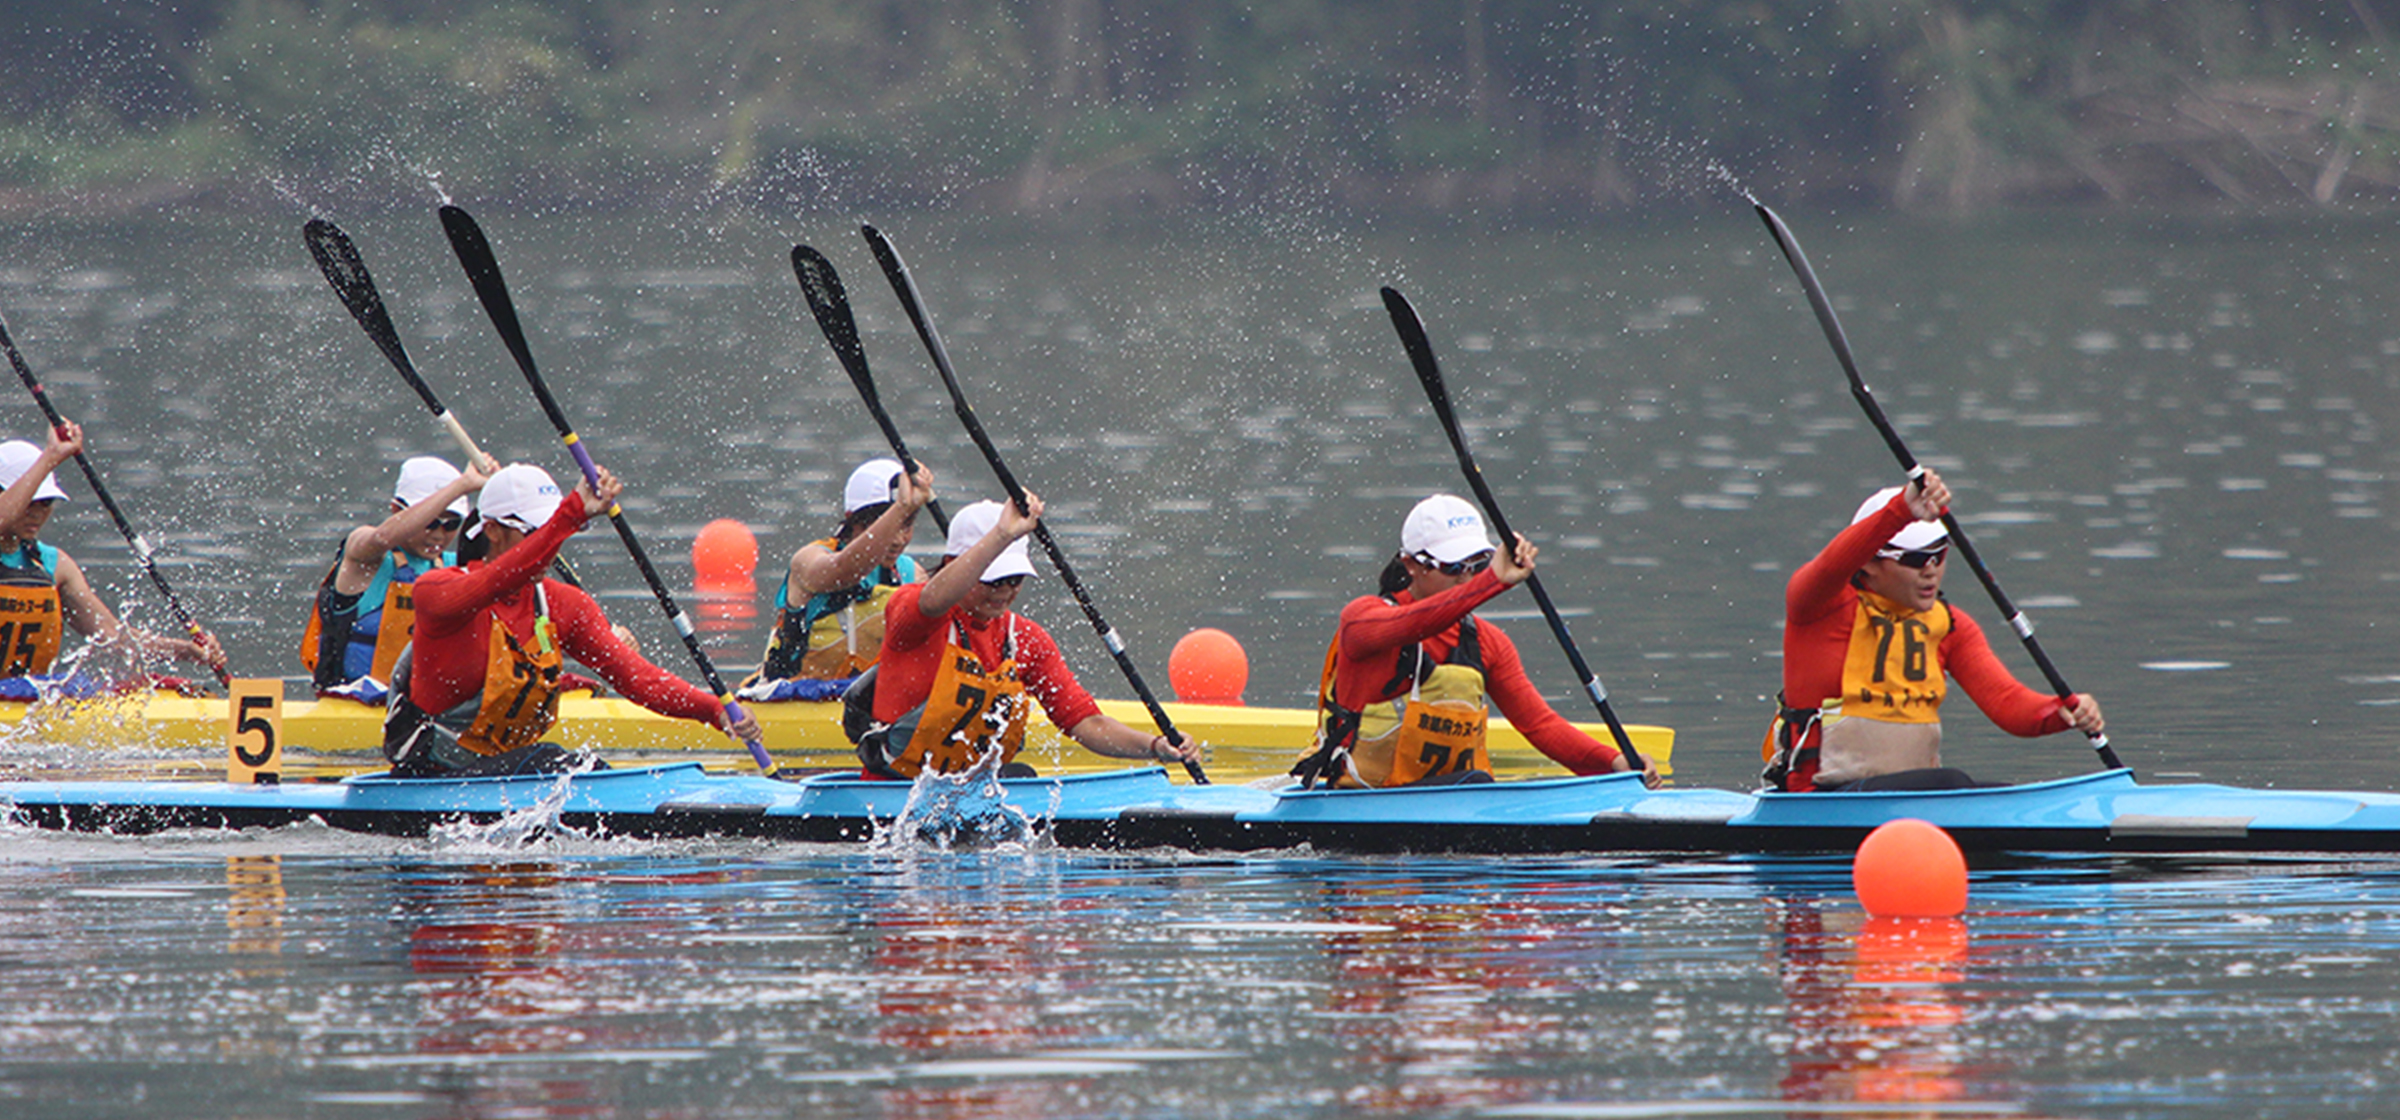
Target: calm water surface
2166 436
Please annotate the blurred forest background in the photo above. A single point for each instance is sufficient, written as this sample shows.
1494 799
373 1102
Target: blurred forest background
1568 106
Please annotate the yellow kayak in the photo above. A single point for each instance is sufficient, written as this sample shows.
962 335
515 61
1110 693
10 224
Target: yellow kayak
1244 742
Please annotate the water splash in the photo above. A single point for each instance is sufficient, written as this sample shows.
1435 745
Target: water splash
966 810
522 827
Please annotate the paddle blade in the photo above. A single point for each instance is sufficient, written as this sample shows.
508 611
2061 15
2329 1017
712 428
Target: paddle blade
474 253
346 272
1420 355
830 303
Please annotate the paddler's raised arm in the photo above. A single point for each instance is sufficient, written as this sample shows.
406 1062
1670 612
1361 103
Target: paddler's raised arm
949 587
65 442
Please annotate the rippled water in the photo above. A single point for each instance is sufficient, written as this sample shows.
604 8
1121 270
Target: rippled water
304 973
2166 437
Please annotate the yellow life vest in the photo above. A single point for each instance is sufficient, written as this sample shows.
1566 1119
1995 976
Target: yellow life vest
1431 724
834 634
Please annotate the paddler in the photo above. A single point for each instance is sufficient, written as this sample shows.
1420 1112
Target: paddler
829 610
958 665
479 686
1867 642
1412 672
365 604
42 588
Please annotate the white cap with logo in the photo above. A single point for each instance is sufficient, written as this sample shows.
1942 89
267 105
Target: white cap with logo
969 525
424 476
521 496
873 483
1916 536
1444 527
17 457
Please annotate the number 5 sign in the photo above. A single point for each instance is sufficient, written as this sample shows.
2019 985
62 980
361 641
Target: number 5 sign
254 732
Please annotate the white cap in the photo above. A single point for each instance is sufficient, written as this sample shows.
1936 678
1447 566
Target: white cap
871 484
970 525
1916 536
17 457
521 496
424 476
1444 527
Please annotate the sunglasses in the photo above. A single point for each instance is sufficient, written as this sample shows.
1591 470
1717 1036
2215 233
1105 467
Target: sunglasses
1918 558
1466 567
446 523
1004 582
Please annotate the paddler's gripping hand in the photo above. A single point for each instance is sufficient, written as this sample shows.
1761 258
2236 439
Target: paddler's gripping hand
597 502
65 442
1192 750
205 650
744 729
1650 776
1015 523
1515 566
1929 497
914 490
2083 714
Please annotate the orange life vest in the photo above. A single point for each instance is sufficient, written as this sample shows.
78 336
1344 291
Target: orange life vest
972 710
31 616
520 686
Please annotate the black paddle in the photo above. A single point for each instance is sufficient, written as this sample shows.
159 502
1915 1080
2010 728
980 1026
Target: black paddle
1908 462
338 259
141 548
830 303
906 288
483 272
1429 373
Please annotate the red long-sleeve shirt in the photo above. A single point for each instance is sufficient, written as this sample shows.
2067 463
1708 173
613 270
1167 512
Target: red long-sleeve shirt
912 655
1373 632
1820 608
456 606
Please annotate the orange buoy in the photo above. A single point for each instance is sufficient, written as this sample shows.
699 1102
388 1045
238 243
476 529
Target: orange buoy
1208 667
724 552
1910 869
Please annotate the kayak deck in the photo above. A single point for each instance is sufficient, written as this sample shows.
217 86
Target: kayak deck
1251 742
2106 813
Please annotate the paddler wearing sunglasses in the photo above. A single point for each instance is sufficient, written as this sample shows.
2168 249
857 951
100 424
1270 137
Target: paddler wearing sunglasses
1867 643
1412 672
959 666
365 605
43 591
479 685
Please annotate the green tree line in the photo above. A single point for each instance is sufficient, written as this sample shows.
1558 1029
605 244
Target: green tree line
1167 104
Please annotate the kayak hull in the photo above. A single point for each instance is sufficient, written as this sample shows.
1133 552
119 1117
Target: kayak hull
2105 813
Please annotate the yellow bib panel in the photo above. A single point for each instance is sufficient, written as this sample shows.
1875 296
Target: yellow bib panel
1893 671
30 619
1436 729
970 711
520 689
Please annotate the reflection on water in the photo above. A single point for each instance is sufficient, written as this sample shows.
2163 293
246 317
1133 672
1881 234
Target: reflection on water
749 980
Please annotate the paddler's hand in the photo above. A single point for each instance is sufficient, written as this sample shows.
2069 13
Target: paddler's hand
1192 750
744 729
1929 497
2083 714
1515 566
65 442
597 502
1650 776
1015 523
914 490
479 472
205 650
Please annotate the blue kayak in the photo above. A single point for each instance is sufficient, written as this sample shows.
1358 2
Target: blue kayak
2105 812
